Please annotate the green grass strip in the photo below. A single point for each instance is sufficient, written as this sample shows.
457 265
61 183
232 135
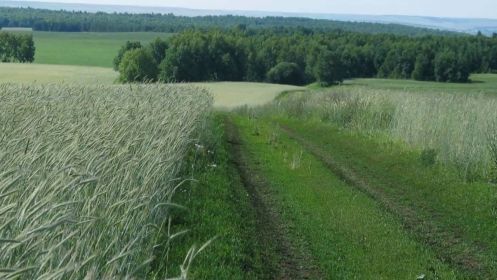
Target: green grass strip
218 207
349 234
463 213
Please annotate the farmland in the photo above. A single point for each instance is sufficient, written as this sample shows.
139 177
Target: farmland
340 142
481 83
223 175
67 151
87 49
46 74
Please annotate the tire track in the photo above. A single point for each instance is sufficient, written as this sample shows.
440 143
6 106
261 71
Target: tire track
289 259
448 245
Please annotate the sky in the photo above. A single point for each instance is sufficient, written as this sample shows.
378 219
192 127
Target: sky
440 8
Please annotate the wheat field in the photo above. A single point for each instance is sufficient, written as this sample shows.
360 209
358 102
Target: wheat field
87 174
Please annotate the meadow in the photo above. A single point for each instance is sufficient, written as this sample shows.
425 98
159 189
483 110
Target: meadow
50 74
480 83
85 48
88 174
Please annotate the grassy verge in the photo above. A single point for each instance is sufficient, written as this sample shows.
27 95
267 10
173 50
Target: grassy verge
348 233
436 193
218 207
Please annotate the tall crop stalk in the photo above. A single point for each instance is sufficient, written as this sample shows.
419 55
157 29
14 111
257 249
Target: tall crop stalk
87 175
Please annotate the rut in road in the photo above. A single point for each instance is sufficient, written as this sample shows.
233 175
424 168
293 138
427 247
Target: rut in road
288 257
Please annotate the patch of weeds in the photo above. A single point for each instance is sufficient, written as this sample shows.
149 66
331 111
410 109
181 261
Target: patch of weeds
429 157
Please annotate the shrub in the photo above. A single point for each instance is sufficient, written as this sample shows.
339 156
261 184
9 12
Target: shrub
138 66
127 47
286 73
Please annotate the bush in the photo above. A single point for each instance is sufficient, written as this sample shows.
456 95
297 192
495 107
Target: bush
127 47
286 73
138 65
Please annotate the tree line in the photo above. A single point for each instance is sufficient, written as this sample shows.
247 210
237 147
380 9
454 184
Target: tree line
74 21
16 47
295 57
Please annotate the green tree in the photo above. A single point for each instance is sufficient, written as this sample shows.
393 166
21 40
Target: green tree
158 49
450 68
286 73
130 45
445 63
26 49
329 69
186 59
138 65
423 68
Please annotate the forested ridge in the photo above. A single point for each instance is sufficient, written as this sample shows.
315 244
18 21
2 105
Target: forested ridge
73 21
302 57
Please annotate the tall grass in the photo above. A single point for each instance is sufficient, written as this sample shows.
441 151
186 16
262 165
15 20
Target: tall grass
459 128
87 175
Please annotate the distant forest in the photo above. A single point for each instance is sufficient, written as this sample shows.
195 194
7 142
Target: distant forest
68 21
297 57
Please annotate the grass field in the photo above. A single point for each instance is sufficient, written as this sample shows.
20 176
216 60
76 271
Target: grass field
481 83
84 48
227 95
348 233
427 157
43 74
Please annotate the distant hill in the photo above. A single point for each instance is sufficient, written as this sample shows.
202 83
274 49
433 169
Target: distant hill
403 25
466 25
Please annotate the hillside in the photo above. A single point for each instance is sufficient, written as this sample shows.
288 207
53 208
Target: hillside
85 18
466 25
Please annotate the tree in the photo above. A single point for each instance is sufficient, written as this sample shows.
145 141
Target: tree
445 63
138 65
324 57
186 59
130 45
449 68
158 49
26 51
286 73
423 68
329 69
16 47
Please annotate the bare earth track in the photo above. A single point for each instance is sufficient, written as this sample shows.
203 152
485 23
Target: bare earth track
285 256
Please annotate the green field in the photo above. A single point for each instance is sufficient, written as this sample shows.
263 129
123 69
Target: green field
230 95
429 158
482 83
43 74
83 48
227 95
